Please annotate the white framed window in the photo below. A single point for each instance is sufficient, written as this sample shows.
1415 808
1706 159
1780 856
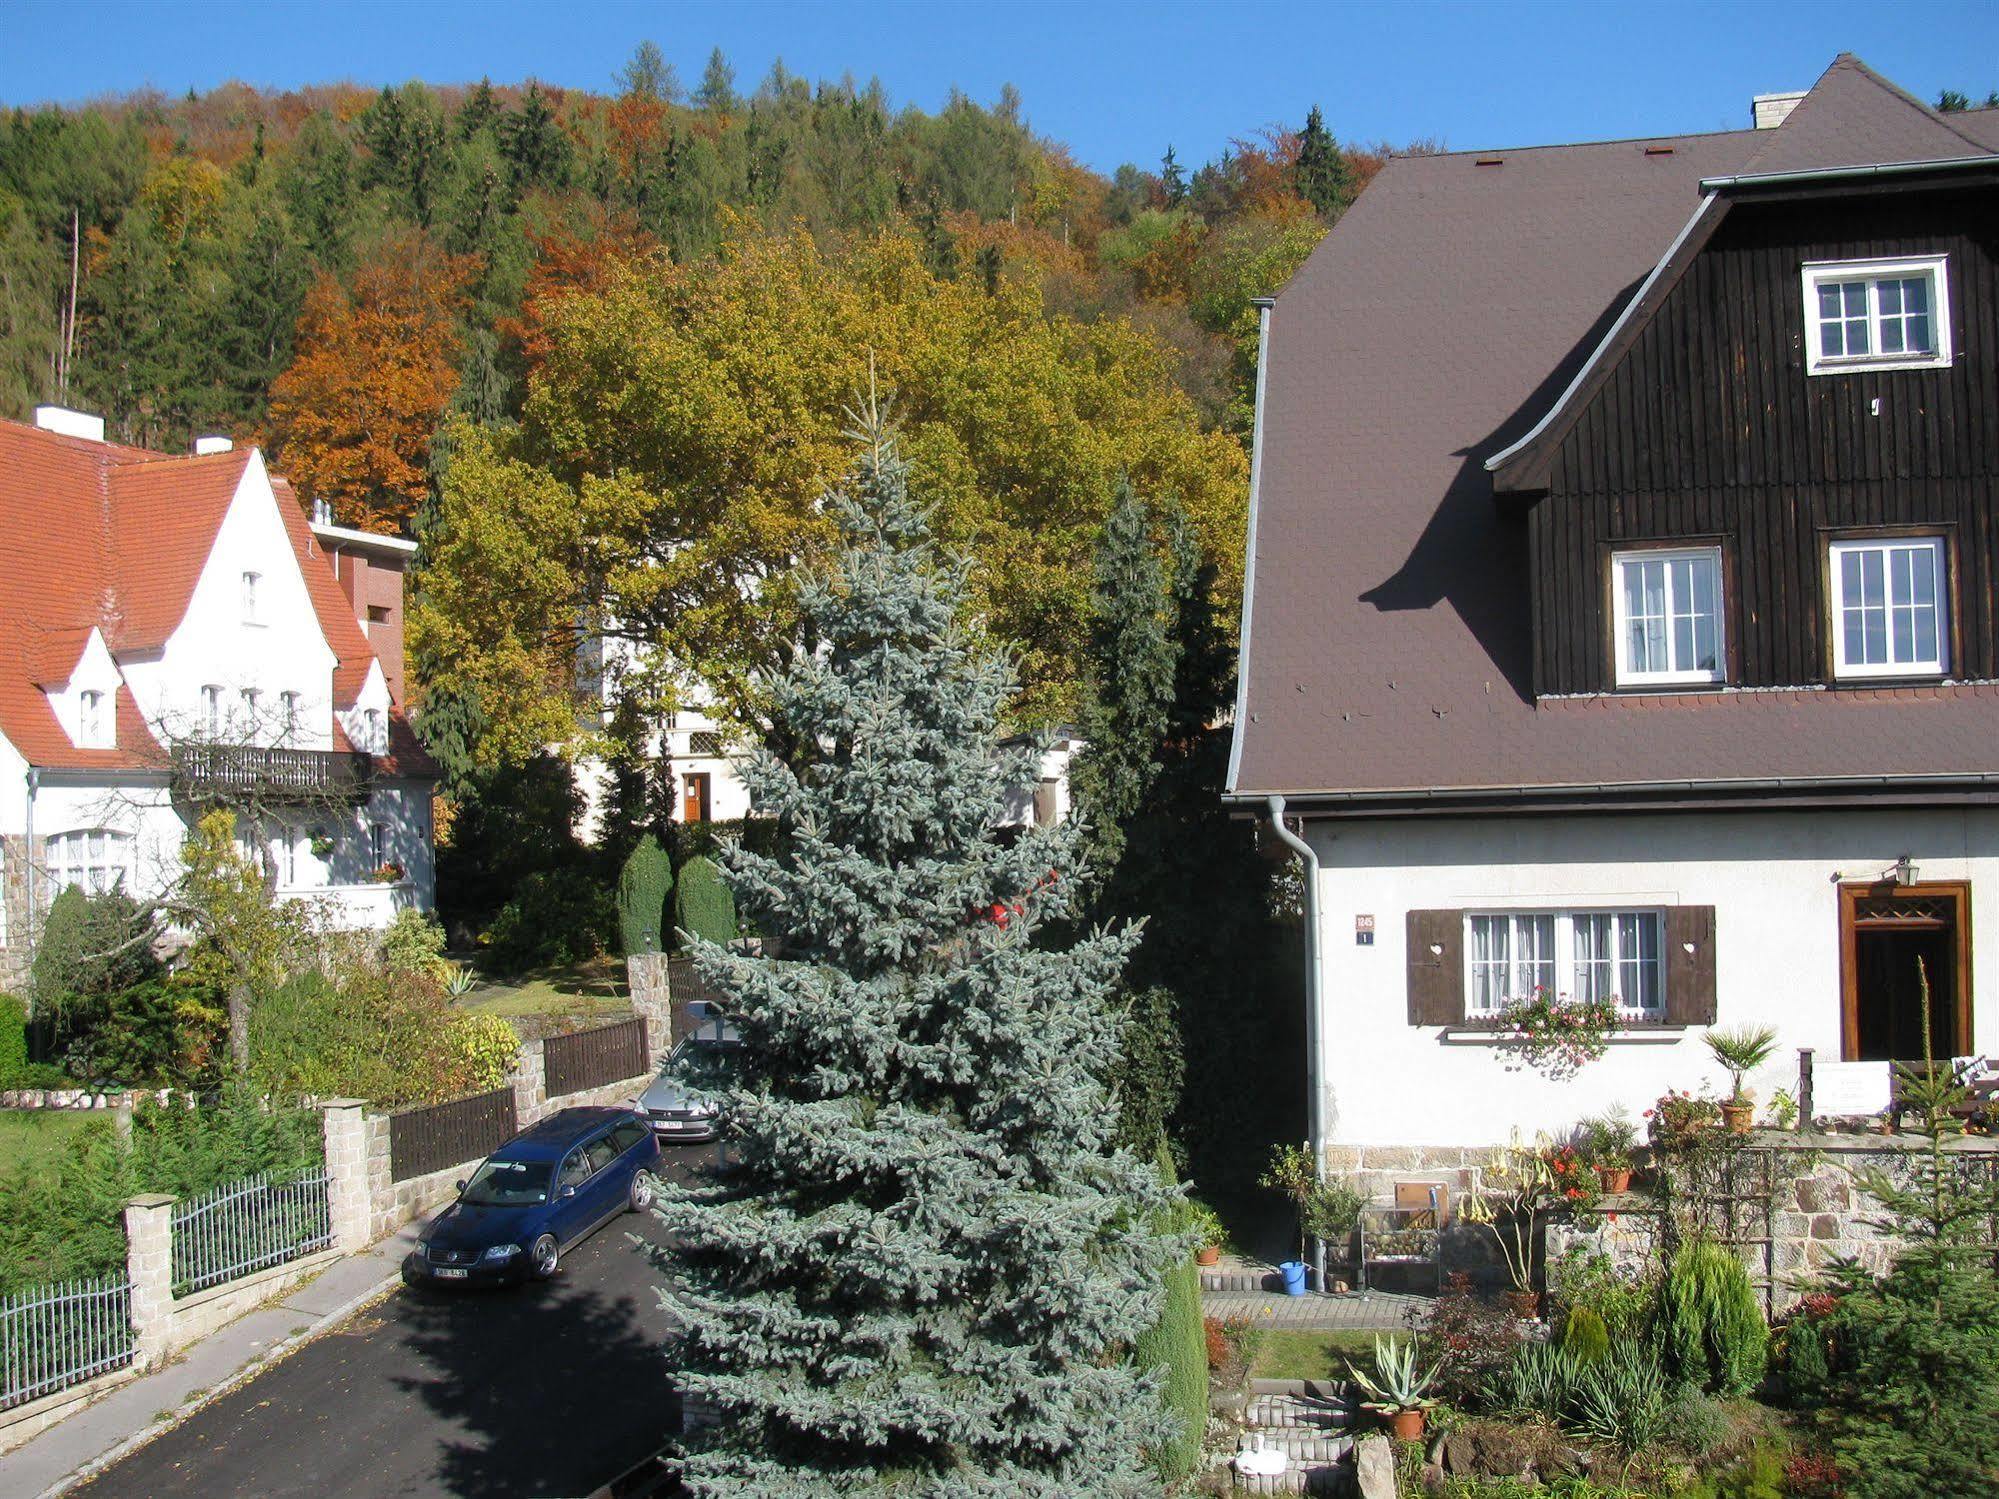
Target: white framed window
252 583
93 721
373 729
251 701
378 844
93 859
1877 314
211 712
288 704
1889 617
1667 616
1576 955
284 846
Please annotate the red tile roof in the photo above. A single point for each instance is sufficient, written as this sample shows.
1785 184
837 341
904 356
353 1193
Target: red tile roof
1444 314
116 537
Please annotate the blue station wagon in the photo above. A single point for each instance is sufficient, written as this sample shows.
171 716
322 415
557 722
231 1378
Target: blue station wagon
544 1191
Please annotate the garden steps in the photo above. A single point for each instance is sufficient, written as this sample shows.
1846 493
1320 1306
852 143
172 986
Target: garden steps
1307 1422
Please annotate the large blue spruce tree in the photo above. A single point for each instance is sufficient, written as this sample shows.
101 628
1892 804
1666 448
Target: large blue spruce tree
923 1264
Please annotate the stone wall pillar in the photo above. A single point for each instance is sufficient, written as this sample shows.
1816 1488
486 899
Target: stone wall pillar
349 1200
646 976
149 1264
529 1080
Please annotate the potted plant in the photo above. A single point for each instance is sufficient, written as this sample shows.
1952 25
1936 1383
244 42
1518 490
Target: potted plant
1606 1142
1741 1052
1331 1212
1513 1189
1395 1389
1209 1234
322 844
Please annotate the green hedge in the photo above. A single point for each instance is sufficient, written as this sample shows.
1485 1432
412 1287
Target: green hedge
1179 1344
643 886
702 904
13 1040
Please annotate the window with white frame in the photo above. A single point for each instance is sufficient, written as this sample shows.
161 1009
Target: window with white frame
372 728
1889 614
93 859
378 844
289 705
252 701
1668 619
93 721
252 582
1575 955
1876 314
211 712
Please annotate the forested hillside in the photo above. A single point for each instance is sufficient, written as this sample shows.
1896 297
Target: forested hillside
613 294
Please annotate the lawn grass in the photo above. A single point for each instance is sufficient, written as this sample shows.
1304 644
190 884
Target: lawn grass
589 989
36 1138
1311 1353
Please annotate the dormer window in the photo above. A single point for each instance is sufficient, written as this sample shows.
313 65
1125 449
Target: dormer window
1876 315
93 721
251 584
1667 606
1889 616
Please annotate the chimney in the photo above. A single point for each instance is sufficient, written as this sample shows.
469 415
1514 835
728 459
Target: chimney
322 512
70 423
1771 110
212 443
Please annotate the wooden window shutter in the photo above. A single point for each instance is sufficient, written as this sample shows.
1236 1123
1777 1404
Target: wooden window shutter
1436 967
1690 965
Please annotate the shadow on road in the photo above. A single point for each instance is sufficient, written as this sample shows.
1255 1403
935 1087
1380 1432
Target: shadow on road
547 1387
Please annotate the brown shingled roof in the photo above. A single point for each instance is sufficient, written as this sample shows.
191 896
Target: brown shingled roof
1386 645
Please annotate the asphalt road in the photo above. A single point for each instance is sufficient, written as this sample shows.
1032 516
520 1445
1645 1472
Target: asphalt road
542 1391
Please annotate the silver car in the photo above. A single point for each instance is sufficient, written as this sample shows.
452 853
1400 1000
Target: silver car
676 1117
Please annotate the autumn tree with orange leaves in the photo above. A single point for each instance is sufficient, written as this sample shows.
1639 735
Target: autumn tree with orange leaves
352 417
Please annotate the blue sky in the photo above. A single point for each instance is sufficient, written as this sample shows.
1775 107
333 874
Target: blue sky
1116 81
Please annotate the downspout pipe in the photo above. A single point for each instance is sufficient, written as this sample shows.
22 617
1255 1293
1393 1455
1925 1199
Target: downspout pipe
34 857
1315 1096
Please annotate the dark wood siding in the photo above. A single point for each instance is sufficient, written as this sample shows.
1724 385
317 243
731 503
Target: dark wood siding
1710 427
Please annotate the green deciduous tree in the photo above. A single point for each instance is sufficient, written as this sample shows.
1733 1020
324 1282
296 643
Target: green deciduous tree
919 1270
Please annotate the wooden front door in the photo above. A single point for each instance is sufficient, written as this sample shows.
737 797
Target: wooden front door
694 798
1892 939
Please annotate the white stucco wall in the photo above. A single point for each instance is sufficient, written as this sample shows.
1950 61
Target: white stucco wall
1772 878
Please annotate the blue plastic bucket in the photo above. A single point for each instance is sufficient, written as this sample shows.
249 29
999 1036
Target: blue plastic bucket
1293 1272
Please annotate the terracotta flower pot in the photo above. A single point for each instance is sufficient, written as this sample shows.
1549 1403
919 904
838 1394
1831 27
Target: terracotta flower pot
1525 1305
1614 1178
1208 1254
1738 1117
1406 1426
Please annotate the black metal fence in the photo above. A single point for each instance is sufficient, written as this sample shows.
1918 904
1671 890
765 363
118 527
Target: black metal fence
449 1134
590 1059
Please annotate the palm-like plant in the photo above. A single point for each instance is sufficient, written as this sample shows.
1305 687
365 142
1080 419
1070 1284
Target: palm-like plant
1741 1052
1395 1385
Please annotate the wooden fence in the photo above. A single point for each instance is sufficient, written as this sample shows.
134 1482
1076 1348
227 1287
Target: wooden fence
687 985
446 1134
590 1059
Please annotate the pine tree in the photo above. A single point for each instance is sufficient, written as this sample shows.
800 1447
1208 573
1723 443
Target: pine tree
1172 181
1323 175
718 85
923 1261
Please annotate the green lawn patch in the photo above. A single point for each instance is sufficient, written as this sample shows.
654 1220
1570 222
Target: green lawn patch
1310 1353
591 989
35 1139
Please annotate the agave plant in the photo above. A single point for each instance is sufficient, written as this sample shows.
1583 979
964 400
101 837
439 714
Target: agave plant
459 979
1394 1385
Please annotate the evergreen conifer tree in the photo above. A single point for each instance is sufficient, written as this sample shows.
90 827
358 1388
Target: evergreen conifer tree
1323 174
923 1264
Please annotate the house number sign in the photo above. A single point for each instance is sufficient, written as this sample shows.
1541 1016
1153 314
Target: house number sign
1363 931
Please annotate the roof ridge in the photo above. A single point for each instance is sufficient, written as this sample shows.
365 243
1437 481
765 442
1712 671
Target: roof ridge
1615 140
1935 116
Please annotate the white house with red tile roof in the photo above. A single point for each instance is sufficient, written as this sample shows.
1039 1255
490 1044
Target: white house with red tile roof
165 618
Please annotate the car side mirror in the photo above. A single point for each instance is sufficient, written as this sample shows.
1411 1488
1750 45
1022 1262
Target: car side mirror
568 1191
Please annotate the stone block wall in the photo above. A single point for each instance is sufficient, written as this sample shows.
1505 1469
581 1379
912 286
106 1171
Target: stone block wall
14 901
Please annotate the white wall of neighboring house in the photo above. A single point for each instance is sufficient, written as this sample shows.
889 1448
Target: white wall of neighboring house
1773 879
1047 802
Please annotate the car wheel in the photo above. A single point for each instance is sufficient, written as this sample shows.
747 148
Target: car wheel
544 1256
644 1189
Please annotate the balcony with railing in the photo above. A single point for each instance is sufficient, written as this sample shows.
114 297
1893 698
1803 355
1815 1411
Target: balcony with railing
211 770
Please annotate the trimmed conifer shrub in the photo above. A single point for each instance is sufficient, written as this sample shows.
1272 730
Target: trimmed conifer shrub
1178 1344
924 1263
1711 1331
1585 1337
643 886
13 1039
703 907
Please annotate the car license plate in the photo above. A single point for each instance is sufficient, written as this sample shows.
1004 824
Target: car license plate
444 1274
